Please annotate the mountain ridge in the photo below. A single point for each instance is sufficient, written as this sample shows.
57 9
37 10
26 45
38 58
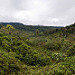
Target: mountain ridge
21 26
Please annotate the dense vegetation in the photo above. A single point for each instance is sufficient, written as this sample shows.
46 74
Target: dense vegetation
39 52
28 28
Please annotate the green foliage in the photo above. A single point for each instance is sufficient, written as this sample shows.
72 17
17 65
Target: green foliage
35 58
67 67
65 45
71 50
58 57
37 41
0 40
1 34
53 44
23 53
23 48
29 28
9 27
5 37
63 68
6 44
8 63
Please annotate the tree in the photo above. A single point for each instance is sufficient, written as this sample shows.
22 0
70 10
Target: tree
10 28
37 32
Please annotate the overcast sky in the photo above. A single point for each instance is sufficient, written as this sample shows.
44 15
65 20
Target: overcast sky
38 12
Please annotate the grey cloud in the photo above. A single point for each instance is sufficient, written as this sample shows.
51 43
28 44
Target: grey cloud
44 12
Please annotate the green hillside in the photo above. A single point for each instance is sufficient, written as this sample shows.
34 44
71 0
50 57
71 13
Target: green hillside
37 50
28 28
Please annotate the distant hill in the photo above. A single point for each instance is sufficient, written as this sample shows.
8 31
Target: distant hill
69 29
32 28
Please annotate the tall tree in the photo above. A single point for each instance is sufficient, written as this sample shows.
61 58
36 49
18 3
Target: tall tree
37 32
10 28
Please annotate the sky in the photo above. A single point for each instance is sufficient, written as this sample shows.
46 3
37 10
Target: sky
38 12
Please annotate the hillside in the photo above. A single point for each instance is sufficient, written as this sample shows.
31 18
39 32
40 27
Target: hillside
30 28
25 52
69 29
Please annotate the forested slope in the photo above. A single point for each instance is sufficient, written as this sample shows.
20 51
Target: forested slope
30 28
24 53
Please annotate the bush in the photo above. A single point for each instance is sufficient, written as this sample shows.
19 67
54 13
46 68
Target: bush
35 58
5 37
53 45
58 57
65 45
71 50
1 34
23 49
8 63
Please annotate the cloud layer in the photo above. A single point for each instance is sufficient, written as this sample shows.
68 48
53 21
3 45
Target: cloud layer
42 12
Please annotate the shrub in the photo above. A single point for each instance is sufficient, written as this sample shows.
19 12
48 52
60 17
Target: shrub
1 34
52 45
8 63
35 58
23 48
5 37
71 50
65 45
58 57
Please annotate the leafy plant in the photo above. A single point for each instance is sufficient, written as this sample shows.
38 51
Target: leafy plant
71 50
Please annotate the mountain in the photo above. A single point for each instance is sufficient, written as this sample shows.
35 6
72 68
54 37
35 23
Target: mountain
32 28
